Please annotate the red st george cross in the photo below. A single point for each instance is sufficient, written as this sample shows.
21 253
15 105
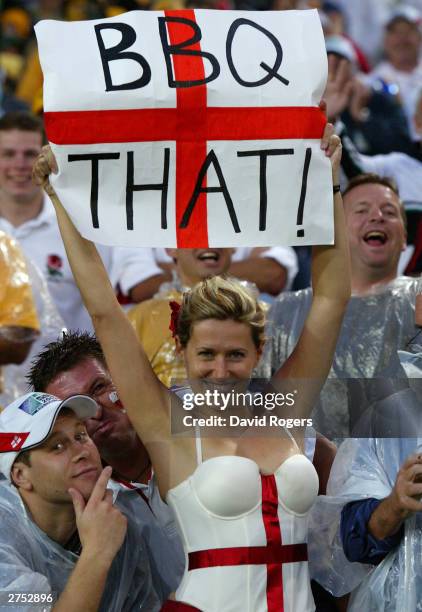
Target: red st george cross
191 124
273 555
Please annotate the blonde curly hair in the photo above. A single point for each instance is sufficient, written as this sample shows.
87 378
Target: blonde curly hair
220 298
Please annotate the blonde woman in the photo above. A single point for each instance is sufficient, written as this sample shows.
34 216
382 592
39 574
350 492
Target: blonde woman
240 501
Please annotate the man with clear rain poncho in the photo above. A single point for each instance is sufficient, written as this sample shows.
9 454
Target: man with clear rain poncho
67 543
379 338
374 469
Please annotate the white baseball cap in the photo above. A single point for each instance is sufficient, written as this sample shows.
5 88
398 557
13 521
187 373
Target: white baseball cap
405 13
28 422
339 45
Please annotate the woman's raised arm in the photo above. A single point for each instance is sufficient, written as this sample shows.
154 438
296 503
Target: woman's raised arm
144 397
311 360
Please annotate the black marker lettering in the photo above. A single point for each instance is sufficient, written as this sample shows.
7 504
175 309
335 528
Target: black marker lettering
299 221
263 178
118 52
131 187
94 158
271 72
179 49
211 158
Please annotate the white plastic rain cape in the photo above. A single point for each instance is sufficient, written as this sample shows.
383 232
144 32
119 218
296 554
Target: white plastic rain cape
159 532
31 562
374 329
364 468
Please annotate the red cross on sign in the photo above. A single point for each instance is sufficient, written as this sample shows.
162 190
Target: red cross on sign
192 124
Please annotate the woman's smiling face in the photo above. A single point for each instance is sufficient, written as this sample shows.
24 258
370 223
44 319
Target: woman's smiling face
221 351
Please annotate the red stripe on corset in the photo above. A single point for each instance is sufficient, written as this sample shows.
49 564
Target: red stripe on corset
273 555
275 599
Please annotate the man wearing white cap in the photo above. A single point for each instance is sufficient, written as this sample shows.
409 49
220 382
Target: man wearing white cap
402 49
64 545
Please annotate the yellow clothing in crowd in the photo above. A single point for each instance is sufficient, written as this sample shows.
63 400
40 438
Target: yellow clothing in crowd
151 320
17 308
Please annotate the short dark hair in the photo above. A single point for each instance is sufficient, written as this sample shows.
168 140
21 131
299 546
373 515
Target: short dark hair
370 178
22 120
62 355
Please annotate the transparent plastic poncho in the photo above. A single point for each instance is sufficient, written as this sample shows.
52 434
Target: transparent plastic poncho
364 468
375 327
31 562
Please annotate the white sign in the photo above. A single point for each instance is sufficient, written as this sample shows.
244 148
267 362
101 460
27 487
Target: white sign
190 128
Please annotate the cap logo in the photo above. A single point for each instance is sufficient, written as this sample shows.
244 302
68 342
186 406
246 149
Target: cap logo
15 442
12 442
35 402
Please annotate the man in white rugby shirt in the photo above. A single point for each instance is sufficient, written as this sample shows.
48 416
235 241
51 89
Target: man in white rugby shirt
27 215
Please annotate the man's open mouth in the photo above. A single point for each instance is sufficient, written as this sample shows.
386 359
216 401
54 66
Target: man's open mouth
213 256
375 238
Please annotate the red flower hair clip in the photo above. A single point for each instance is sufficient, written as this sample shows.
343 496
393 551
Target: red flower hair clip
174 317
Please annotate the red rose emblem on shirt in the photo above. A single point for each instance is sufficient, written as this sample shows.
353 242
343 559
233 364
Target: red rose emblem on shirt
54 265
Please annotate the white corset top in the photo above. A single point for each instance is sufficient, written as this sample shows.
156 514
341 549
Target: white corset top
244 535
230 486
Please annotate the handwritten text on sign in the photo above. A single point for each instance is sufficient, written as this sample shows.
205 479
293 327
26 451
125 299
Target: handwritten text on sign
190 128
